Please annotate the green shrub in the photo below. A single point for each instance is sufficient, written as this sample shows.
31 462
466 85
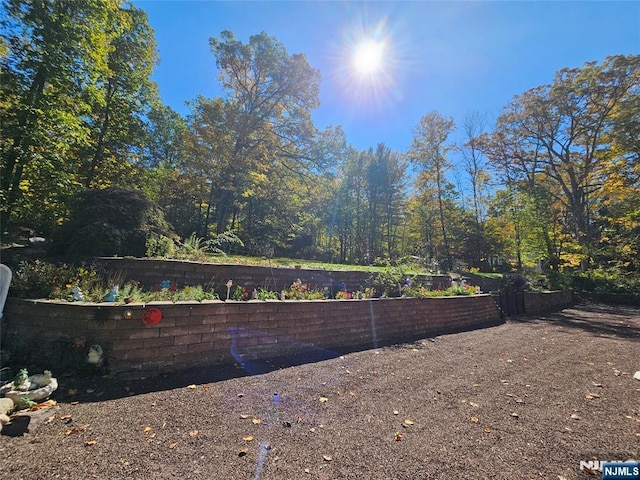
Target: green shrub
160 246
109 222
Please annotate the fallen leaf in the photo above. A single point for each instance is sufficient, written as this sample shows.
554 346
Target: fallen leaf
193 433
192 387
408 422
475 419
353 394
398 437
147 429
256 421
312 430
575 416
43 405
50 419
415 350
206 387
474 404
65 417
326 458
71 431
591 396
91 442
476 384
248 438
125 463
173 445
323 399
487 430
244 416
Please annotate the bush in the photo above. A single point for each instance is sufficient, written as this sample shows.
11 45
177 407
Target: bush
109 222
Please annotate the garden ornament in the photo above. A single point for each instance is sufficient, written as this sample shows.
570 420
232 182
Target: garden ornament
95 355
112 295
26 390
76 294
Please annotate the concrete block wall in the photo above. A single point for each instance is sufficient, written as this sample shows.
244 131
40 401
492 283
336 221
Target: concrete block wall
151 271
538 302
194 334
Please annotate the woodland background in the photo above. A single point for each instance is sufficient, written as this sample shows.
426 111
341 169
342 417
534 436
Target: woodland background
552 185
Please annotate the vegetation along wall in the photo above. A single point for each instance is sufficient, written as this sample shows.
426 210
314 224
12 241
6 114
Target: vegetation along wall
151 271
162 336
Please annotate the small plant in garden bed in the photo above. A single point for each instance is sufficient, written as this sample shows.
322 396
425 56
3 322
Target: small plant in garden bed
358 294
300 291
422 292
45 280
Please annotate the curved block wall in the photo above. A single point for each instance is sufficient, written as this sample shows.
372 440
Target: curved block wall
214 332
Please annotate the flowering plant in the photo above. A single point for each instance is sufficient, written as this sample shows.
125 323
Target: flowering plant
300 291
240 293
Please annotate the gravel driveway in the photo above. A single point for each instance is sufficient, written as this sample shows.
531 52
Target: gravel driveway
528 399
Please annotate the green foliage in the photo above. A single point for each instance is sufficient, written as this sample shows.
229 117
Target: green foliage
109 222
160 246
199 249
62 282
607 280
391 280
422 292
240 293
40 279
300 291
264 294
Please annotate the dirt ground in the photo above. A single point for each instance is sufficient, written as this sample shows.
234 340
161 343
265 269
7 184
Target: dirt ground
528 399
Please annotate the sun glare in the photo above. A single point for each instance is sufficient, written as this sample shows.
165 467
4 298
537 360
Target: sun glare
368 57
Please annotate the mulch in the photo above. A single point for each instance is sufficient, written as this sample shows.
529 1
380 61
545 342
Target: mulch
528 399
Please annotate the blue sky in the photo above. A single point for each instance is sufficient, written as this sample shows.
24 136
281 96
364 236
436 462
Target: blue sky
453 57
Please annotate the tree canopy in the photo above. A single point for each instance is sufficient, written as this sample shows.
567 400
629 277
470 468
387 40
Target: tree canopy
553 184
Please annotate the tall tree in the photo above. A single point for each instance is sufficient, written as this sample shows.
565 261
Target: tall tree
56 51
474 165
267 111
429 152
122 98
560 130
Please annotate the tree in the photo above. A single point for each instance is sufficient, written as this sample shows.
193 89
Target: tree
75 86
428 151
474 165
266 116
120 100
557 133
56 50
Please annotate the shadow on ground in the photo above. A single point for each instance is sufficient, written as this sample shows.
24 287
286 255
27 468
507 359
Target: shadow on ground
598 319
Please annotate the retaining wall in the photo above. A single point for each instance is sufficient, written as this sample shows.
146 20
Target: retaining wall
151 271
214 332
538 302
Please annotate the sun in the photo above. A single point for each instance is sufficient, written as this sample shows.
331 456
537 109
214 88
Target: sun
368 57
